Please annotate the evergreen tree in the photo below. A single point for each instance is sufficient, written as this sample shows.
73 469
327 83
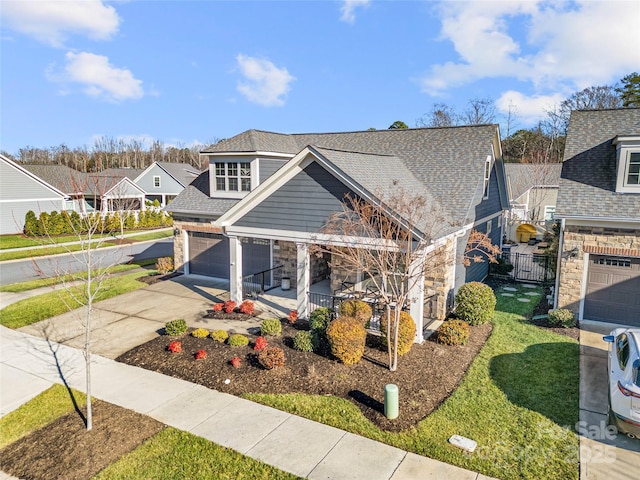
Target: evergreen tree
629 92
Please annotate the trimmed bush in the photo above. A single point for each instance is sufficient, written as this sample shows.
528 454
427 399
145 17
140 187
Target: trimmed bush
164 265
260 344
175 327
200 333
200 354
238 340
357 309
220 335
175 347
406 331
271 357
271 326
236 362
320 319
229 306
247 307
347 337
453 332
475 303
293 317
305 341
501 267
562 317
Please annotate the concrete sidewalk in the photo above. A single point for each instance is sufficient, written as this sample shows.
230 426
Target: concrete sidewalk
602 455
30 364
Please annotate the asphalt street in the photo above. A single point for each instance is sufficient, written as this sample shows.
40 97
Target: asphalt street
30 269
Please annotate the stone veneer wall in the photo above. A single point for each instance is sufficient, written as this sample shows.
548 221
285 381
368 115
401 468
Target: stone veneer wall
178 241
439 278
596 240
287 256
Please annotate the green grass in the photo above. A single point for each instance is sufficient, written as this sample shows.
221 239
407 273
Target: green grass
54 250
41 307
38 412
173 454
47 282
167 455
518 400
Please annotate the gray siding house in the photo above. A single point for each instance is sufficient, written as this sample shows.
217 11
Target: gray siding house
21 191
163 181
599 209
266 196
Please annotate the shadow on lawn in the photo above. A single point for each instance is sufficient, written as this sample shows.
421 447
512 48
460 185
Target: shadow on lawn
544 378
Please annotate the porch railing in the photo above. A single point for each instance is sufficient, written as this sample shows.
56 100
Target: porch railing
258 283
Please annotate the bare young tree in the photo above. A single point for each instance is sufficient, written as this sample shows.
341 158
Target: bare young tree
393 240
479 111
441 115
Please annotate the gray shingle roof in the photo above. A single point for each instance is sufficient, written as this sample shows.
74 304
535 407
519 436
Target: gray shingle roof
448 161
130 173
182 172
587 183
523 176
64 178
194 199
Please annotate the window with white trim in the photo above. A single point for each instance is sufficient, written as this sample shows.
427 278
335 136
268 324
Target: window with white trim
487 176
489 226
628 164
233 176
549 212
499 222
156 181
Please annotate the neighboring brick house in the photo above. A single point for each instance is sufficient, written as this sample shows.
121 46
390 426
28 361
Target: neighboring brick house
266 195
599 210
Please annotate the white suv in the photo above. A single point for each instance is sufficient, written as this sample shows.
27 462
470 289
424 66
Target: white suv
624 380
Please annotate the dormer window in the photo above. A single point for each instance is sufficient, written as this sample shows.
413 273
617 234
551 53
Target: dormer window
233 176
628 164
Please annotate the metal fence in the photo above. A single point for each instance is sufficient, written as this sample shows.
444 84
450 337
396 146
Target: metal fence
536 268
258 283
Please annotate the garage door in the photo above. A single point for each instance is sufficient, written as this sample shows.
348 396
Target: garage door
613 290
209 255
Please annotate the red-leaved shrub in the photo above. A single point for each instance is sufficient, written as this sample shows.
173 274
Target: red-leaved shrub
236 362
175 347
260 343
217 307
229 306
247 307
293 316
201 354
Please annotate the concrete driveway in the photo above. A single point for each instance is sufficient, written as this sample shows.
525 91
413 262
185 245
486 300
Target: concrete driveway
126 321
603 455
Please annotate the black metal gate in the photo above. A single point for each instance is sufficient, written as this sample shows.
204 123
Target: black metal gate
536 268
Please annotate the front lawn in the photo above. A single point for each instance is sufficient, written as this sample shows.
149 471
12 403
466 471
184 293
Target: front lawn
34 309
519 401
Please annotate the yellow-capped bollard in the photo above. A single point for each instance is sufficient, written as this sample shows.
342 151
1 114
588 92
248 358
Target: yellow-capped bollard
391 408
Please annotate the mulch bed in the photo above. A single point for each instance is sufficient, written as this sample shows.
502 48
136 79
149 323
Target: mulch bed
153 279
65 450
426 375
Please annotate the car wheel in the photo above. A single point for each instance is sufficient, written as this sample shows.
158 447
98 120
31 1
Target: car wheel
611 420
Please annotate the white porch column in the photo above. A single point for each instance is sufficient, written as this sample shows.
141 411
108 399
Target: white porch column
185 252
416 295
235 280
303 278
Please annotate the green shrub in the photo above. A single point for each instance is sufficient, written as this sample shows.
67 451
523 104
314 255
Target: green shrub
271 326
475 303
562 317
357 309
200 333
347 337
271 357
453 332
238 340
220 335
320 319
502 267
175 327
30 224
406 331
305 341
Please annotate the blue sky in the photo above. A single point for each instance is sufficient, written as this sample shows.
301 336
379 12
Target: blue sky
189 72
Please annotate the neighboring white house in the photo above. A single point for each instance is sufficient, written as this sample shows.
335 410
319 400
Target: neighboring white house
21 191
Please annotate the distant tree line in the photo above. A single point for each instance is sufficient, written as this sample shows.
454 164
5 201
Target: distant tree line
108 152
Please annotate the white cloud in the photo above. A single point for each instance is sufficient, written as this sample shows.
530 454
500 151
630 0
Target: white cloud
52 21
566 45
528 109
265 84
99 78
348 9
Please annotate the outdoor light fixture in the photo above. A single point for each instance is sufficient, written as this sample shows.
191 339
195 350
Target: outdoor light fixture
573 253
